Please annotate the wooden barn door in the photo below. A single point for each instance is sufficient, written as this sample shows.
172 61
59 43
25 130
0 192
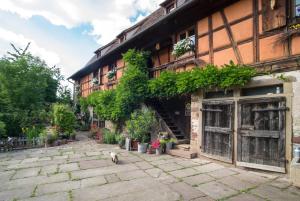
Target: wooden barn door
261 134
217 141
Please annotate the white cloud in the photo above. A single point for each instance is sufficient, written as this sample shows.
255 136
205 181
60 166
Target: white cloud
51 58
108 18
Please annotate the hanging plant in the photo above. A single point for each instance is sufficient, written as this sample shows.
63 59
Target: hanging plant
111 74
183 47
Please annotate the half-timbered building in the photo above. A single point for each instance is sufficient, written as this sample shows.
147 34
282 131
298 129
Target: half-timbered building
256 126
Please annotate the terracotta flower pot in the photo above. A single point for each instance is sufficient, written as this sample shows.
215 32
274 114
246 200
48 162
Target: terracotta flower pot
134 145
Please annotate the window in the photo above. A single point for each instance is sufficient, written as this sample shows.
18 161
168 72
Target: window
182 36
112 66
265 90
218 94
297 8
170 7
190 33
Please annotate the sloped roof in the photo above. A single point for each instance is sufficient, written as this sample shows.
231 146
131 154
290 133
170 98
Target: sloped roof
153 21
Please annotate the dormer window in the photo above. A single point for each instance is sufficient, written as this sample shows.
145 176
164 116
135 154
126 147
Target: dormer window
169 5
122 38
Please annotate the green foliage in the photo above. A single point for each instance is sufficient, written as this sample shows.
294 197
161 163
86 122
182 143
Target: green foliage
140 124
2 130
183 46
110 137
63 118
27 89
171 84
116 105
64 95
33 132
135 87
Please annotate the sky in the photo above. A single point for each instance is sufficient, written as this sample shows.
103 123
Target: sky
66 33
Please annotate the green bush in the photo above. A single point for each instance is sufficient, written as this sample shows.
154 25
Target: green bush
33 132
140 124
63 118
110 137
2 130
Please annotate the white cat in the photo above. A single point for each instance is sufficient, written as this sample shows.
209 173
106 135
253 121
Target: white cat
114 157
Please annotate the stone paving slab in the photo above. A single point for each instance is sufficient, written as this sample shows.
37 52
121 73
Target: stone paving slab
23 173
94 181
210 167
19 193
132 175
236 183
68 167
274 194
84 171
170 167
184 173
62 196
198 179
102 171
57 187
245 197
187 192
216 190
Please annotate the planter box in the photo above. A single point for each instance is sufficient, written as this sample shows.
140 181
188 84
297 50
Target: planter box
142 147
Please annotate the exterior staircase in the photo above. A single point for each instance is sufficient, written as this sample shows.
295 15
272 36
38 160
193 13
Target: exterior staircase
170 123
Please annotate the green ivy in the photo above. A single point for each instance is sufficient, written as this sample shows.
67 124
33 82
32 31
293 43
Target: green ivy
117 105
171 84
135 87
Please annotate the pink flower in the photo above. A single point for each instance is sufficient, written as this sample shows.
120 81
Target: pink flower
155 144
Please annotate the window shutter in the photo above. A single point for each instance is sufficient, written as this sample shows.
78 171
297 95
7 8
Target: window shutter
273 14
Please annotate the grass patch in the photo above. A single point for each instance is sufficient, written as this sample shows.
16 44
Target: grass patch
70 195
33 194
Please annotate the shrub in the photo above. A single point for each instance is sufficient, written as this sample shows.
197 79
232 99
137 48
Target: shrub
110 137
63 118
32 132
2 130
140 124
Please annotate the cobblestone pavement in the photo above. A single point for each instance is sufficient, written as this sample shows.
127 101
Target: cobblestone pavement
83 171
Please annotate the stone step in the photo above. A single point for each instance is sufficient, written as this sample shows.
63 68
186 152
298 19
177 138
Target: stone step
182 154
184 147
183 141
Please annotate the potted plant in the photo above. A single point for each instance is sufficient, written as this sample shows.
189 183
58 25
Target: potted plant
139 126
111 74
183 46
121 140
157 146
169 144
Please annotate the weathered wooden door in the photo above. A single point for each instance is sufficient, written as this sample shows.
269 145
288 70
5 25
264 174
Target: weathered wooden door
217 132
261 134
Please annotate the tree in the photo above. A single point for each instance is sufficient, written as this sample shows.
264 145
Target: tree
64 95
28 87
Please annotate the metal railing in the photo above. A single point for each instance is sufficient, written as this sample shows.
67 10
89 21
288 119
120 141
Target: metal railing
17 143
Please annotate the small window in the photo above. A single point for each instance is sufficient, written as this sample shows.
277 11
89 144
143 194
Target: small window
170 7
112 66
191 32
218 94
266 90
182 36
297 8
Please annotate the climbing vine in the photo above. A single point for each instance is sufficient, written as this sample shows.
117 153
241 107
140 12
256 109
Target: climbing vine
135 87
170 83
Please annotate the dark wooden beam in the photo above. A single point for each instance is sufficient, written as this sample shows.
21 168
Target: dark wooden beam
231 38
